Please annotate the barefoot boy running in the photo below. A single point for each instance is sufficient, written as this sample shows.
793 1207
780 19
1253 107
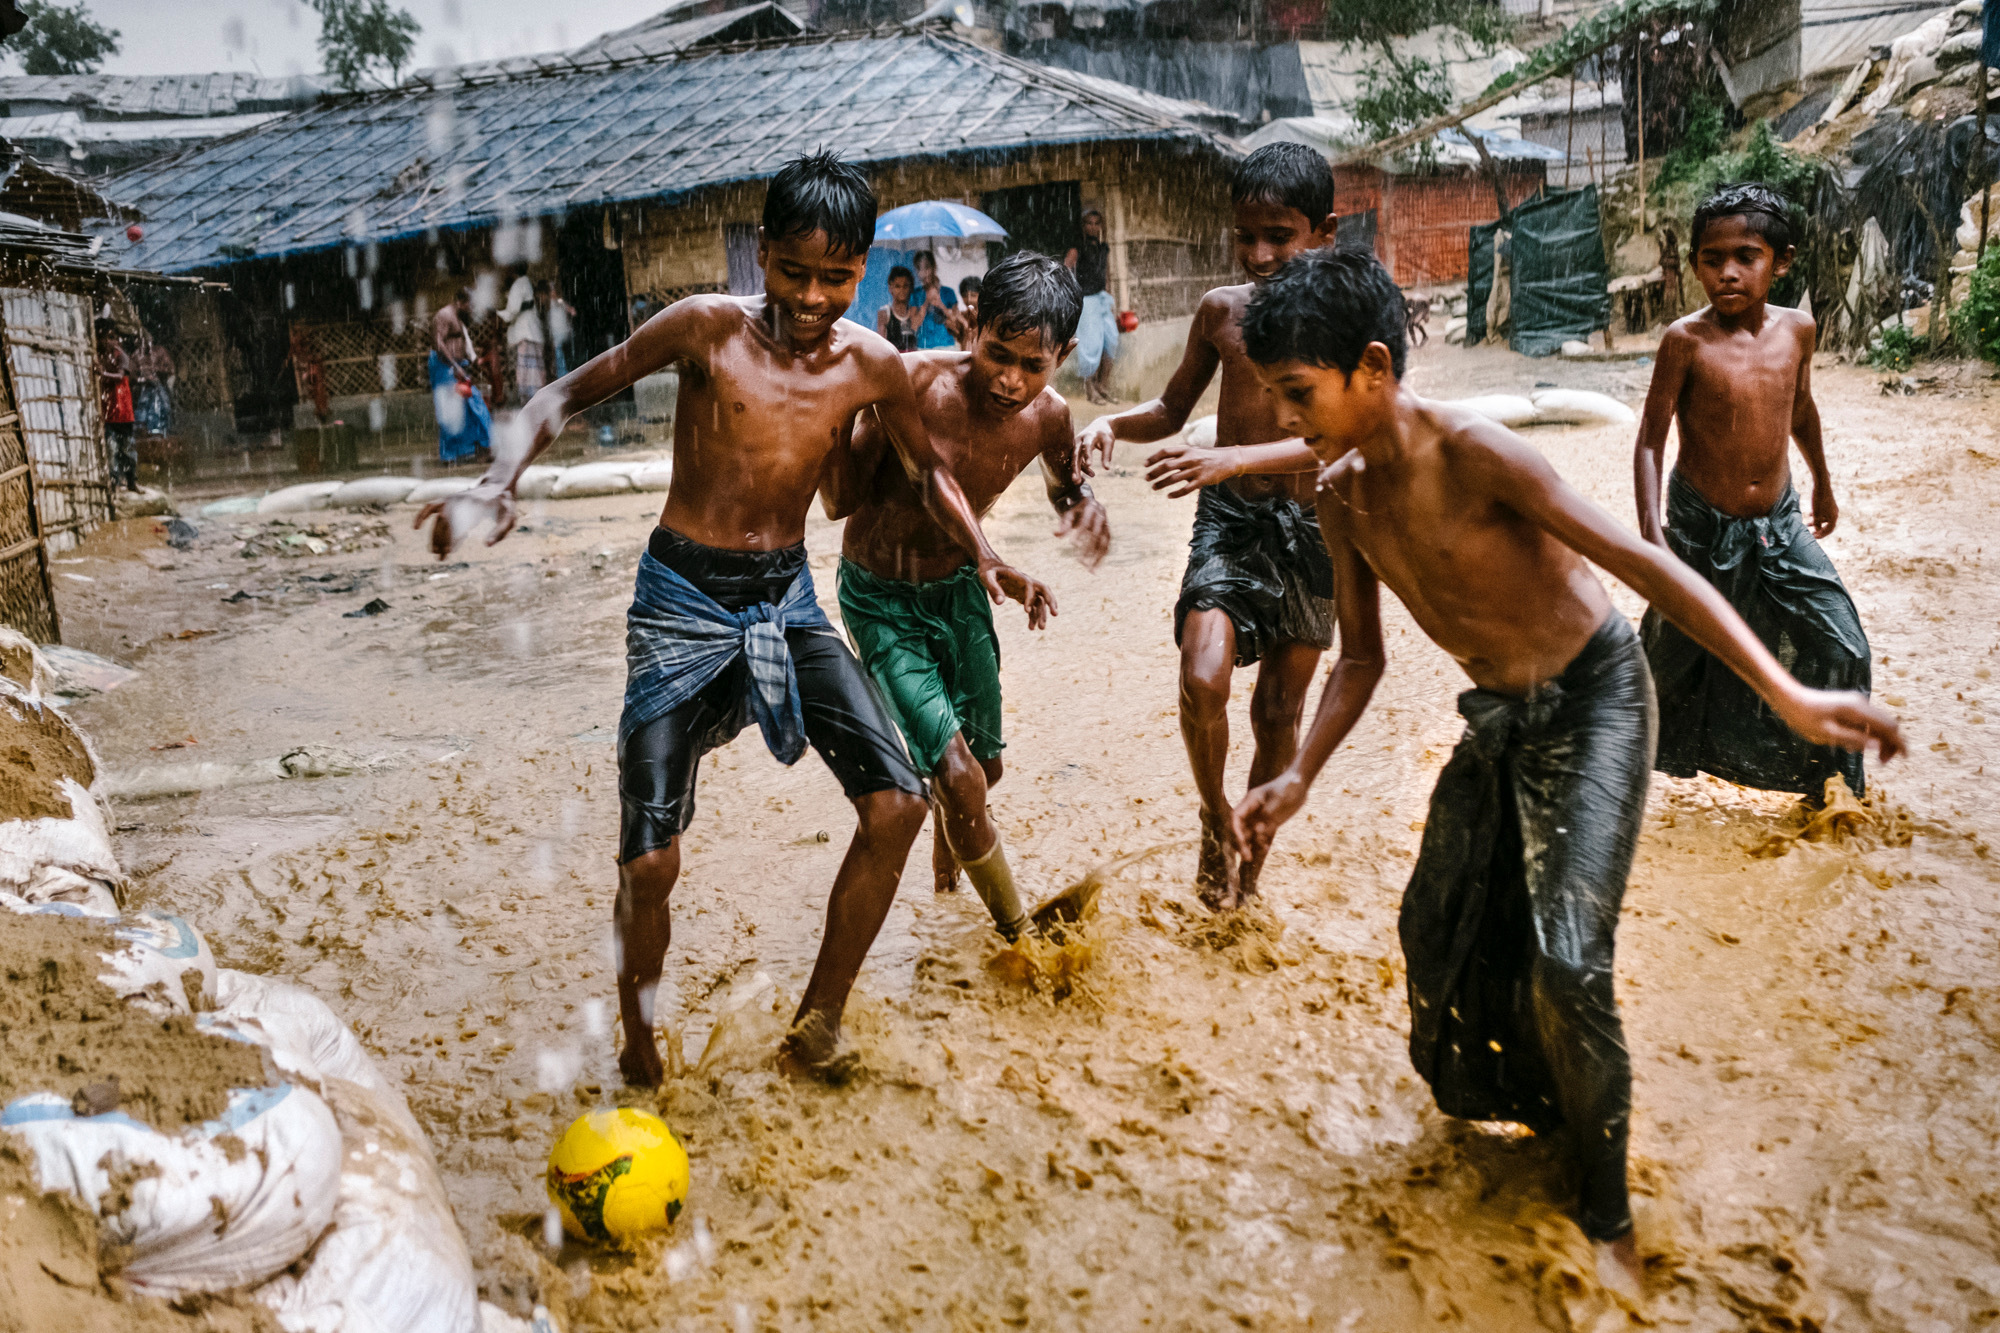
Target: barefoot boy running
1257 582
1507 922
724 626
1738 374
909 595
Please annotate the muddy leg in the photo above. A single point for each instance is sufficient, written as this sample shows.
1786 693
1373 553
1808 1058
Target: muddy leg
944 866
1208 656
643 926
862 892
1283 679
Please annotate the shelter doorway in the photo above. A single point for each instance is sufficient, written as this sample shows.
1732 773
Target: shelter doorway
1047 218
739 252
593 278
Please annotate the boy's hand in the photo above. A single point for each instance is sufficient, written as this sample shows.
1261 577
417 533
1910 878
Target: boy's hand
1826 512
1188 469
467 512
1100 436
1004 581
1255 820
1845 718
1087 522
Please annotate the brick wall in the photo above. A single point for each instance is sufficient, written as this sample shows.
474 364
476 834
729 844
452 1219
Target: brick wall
1423 222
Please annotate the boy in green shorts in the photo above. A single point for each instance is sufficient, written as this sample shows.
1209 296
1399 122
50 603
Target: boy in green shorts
909 594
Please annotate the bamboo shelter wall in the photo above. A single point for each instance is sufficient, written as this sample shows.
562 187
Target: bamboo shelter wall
52 355
27 602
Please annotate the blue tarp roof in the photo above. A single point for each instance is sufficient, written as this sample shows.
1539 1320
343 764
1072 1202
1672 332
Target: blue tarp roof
398 163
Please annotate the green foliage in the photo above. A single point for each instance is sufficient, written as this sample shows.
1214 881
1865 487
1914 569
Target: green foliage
1706 134
1399 94
364 41
1894 348
62 39
1602 29
1976 322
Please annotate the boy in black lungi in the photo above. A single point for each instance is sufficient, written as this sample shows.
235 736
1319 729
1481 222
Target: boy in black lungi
1508 920
1738 374
1257 584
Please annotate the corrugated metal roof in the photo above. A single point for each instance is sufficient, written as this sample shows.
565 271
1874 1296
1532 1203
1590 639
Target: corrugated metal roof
156 95
642 41
397 163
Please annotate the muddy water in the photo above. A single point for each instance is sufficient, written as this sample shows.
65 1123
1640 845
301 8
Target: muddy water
1181 1124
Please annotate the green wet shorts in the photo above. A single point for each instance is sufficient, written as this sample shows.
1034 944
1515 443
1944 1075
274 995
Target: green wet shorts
933 650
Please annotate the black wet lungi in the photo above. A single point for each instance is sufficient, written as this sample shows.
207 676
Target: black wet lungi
1265 564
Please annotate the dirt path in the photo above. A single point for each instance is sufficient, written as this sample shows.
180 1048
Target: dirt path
1186 1123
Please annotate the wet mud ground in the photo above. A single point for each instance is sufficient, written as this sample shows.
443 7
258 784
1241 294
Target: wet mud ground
1181 1122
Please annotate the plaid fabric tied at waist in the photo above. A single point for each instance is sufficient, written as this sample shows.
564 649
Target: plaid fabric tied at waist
678 639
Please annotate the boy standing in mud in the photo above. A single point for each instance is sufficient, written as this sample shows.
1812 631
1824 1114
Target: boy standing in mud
1257 585
724 626
1507 923
1738 376
909 596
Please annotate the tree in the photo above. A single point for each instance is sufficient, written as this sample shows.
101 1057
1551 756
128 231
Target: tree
361 39
62 39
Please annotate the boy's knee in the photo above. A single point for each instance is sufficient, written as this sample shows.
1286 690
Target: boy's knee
650 876
993 769
891 813
1204 685
1275 714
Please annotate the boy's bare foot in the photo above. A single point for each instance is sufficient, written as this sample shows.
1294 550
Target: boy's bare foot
1216 871
1246 880
813 1049
639 1063
1619 1270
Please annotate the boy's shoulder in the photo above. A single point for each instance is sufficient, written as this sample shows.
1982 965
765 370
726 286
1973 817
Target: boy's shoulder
1231 299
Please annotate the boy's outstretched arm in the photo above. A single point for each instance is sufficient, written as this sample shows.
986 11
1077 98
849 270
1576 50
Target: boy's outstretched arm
1078 512
1502 465
677 333
1162 416
1649 456
944 499
1187 469
1358 606
1805 429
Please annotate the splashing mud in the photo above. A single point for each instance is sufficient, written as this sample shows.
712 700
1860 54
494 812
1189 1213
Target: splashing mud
1165 1120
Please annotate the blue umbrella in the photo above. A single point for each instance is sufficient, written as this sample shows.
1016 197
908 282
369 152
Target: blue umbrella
899 228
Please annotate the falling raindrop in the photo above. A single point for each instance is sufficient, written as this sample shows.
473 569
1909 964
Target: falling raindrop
552 1231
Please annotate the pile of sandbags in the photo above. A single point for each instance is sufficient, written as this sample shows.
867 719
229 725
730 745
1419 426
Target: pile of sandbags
226 1131
1550 407
538 482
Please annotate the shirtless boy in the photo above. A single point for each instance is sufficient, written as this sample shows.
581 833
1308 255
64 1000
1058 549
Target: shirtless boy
908 593
1738 375
1257 584
465 426
1508 918
724 626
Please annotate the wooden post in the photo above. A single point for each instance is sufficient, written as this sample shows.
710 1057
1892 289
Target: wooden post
1121 288
1639 95
1569 145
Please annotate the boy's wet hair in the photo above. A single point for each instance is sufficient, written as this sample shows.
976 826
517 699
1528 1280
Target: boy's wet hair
1028 291
1763 210
819 192
970 286
900 272
1324 308
1289 175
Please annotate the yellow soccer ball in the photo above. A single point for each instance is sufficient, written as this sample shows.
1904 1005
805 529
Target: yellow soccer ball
617 1175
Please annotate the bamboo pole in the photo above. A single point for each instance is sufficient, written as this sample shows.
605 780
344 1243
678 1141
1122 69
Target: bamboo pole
1569 142
1979 157
1639 94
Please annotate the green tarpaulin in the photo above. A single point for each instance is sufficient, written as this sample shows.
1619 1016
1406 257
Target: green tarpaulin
1556 289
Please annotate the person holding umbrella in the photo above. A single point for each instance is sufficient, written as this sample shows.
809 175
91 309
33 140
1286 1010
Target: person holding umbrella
938 304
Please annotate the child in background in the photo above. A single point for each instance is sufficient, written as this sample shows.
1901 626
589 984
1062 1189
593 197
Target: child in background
897 321
1738 376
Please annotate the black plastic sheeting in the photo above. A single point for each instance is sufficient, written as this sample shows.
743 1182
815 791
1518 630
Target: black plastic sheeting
1912 176
1245 79
1557 273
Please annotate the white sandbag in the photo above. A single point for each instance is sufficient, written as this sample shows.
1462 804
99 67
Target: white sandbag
395 1260
657 475
493 1319
373 491
303 1033
1506 408
157 955
1200 433
298 499
224 1204
1576 347
536 482
592 479
1580 407
439 488
235 504
53 860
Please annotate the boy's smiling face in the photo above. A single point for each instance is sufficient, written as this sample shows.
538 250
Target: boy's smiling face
808 283
1010 371
1736 265
1268 236
1333 411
